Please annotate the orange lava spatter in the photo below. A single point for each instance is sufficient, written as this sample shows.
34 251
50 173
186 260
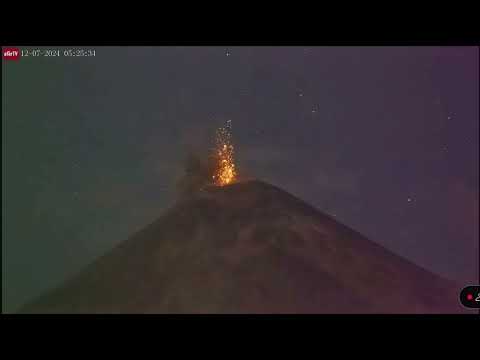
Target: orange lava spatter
225 171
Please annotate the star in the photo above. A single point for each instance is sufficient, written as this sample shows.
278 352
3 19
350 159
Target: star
227 53
409 199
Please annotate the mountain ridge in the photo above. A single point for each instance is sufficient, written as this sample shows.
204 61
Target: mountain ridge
249 247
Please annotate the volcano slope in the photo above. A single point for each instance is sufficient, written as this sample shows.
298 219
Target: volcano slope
249 248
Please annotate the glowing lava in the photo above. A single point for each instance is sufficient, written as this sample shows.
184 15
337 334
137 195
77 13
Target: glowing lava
225 172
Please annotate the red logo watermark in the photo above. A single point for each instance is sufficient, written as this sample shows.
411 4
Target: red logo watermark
11 53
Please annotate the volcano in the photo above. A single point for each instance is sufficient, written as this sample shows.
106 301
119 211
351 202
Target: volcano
249 247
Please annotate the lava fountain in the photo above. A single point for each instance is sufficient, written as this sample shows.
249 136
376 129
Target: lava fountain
225 172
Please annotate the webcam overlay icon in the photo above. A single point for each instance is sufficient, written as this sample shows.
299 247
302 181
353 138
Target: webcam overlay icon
470 296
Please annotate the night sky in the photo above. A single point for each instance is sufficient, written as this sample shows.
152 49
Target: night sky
383 138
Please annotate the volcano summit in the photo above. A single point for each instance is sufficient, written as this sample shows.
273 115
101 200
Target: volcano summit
249 247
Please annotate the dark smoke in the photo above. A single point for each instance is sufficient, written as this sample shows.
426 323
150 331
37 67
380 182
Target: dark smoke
198 173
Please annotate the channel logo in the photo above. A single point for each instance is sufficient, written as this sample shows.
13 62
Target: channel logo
11 53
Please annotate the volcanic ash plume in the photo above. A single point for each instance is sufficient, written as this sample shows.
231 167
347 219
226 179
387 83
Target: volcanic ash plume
216 167
225 172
